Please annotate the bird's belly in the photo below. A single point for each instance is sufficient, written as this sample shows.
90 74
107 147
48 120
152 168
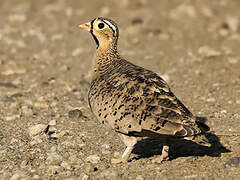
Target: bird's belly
102 110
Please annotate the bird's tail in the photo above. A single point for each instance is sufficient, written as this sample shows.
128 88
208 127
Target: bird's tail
199 139
202 126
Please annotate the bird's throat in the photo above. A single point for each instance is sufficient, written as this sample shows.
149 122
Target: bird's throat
104 58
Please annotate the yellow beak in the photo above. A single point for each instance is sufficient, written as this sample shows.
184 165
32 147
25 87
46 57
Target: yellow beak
85 26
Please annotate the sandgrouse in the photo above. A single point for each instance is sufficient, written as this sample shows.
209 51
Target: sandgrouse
133 101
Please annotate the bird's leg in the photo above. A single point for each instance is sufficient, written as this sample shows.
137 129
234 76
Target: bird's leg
164 156
130 143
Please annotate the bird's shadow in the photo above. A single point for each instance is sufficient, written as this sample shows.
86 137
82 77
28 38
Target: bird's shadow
149 147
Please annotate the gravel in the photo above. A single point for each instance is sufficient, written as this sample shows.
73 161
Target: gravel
47 130
36 129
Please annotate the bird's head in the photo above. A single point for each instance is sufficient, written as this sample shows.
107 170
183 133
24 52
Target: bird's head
104 31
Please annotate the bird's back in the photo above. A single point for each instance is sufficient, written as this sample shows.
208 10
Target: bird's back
133 100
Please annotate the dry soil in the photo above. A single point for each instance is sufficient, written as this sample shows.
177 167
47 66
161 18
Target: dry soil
46 128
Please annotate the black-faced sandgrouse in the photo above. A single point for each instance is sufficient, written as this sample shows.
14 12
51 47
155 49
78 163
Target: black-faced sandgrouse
133 101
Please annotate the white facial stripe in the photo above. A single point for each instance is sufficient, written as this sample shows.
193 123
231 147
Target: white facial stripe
111 26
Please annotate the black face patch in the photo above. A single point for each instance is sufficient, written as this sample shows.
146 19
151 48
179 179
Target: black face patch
91 31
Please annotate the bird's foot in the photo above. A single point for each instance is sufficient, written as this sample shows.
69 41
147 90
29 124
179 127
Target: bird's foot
160 159
164 156
118 160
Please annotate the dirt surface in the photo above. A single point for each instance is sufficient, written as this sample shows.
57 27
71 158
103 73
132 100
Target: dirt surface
46 128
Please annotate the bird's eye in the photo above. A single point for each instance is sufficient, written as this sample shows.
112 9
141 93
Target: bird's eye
100 25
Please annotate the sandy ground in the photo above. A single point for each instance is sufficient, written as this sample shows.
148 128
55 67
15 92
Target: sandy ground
46 128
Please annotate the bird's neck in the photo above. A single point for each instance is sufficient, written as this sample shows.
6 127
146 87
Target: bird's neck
105 55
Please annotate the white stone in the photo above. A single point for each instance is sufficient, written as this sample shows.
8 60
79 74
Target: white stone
77 52
37 129
27 111
83 177
208 52
139 177
13 117
232 60
65 165
93 159
223 111
52 123
54 158
233 23
211 100
36 140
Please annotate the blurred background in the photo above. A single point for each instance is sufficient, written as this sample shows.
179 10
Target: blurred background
46 128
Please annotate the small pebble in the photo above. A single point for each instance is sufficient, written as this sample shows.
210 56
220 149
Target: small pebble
36 177
234 161
137 20
8 72
104 152
83 177
58 135
54 158
12 118
75 113
232 60
64 68
52 129
70 87
139 177
89 168
233 23
36 129
93 159
40 105
27 111
116 154
211 100
208 52
36 140
28 102
15 177
224 32
223 111
19 175
13 141
107 174
105 149
52 123
65 165
105 146
62 133
52 170
82 145
77 52
54 103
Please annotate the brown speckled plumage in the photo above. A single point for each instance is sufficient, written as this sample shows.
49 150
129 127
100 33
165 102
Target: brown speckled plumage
133 101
